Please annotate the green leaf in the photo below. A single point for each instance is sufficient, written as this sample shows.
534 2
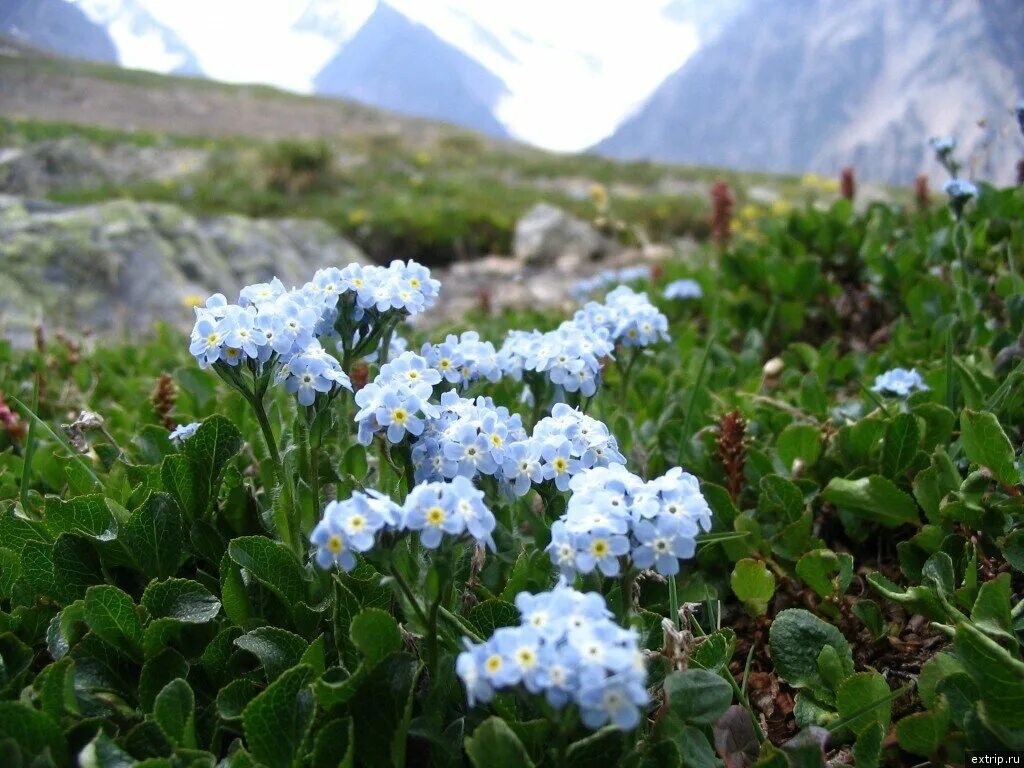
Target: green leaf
380 712
354 462
155 537
209 450
796 639
84 515
184 600
875 497
935 670
716 651
779 499
276 721
998 675
923 732
827 573
754 585
494 745
174 710
66 629
277 649
902 438
33 731
233 592
234 697
103 752
862 690
1013 549
10 570
156 673
991 612
697 696
870 614
492 614
37 568
76 567
111 615
273 565
600 749
179 479
986 445
375 634
56 686
799 442
867 752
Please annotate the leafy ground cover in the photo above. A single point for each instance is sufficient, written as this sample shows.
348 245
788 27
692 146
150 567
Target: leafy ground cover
857 598
453 197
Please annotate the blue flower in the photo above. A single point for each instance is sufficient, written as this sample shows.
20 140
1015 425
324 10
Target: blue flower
521 466
613 513
683 290
616 700
430 510
568 649
899 382
352 526
183 432
960 193
559 464
662 543
390 403
332 547
312 372
583 288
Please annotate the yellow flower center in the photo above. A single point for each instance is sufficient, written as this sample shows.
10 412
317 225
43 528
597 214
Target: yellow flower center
435 515
399 415
496 441
526 657
357 522
335 543
444 364
415 283
493 663
599 547
213 338
561 465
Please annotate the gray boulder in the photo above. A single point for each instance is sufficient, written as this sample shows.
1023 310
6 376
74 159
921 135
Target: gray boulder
71 163
117 267
547 235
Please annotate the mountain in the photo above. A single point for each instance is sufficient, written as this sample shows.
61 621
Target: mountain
818 84
395 63
141 39
56 26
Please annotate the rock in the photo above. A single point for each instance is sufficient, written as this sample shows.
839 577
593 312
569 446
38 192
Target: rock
117 267
546 235
46 165
73 163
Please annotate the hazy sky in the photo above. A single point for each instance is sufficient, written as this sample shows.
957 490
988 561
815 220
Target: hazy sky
574 68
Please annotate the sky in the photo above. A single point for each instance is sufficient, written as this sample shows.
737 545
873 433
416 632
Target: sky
574 68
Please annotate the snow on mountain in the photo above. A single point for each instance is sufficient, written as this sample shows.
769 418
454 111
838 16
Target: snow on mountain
141 40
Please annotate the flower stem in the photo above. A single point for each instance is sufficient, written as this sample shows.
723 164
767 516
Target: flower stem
628 580
284 509
673 601
624 383
406 590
